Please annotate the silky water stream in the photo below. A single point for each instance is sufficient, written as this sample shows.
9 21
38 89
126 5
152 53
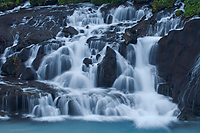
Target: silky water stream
131 102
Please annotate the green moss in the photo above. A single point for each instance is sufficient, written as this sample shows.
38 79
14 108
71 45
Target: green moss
162 4
178 12
192 7
13 66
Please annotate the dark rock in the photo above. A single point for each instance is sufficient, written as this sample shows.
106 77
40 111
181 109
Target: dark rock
98 56
186 115
29 74
69 31
122 49
12 67
96 43
87 61
85 68
130 36
82 31
175 59
24 54
6 38
107 69
37 37
165 89
41 50
73 108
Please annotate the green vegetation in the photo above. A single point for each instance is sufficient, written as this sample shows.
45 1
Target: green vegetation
178 12
96 2
162 4
9 4
192 7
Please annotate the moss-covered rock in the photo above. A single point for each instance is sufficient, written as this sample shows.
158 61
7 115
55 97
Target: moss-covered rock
13 67
178 12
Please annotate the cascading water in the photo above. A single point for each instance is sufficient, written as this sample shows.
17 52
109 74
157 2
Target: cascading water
132 95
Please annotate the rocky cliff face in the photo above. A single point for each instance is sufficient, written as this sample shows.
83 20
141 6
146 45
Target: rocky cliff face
177 55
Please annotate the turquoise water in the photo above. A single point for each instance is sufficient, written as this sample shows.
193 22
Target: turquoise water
78 126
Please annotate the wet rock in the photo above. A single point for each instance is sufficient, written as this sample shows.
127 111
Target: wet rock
24 54
96 43
69 31
130 36
165 89
37 61
122 49
6 38
12 67
98 56
186 115
82 31
29 74
107 69
87 61
73 108
175 59
37 37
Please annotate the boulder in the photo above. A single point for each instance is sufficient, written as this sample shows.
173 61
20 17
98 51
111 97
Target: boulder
107 69
29 74
69 31
87 61
130 36
37 61
13 67
122 49
176 56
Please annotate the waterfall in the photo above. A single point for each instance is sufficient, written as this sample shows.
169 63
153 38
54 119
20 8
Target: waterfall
131 96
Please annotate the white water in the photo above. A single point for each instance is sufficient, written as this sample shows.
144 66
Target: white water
132 96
